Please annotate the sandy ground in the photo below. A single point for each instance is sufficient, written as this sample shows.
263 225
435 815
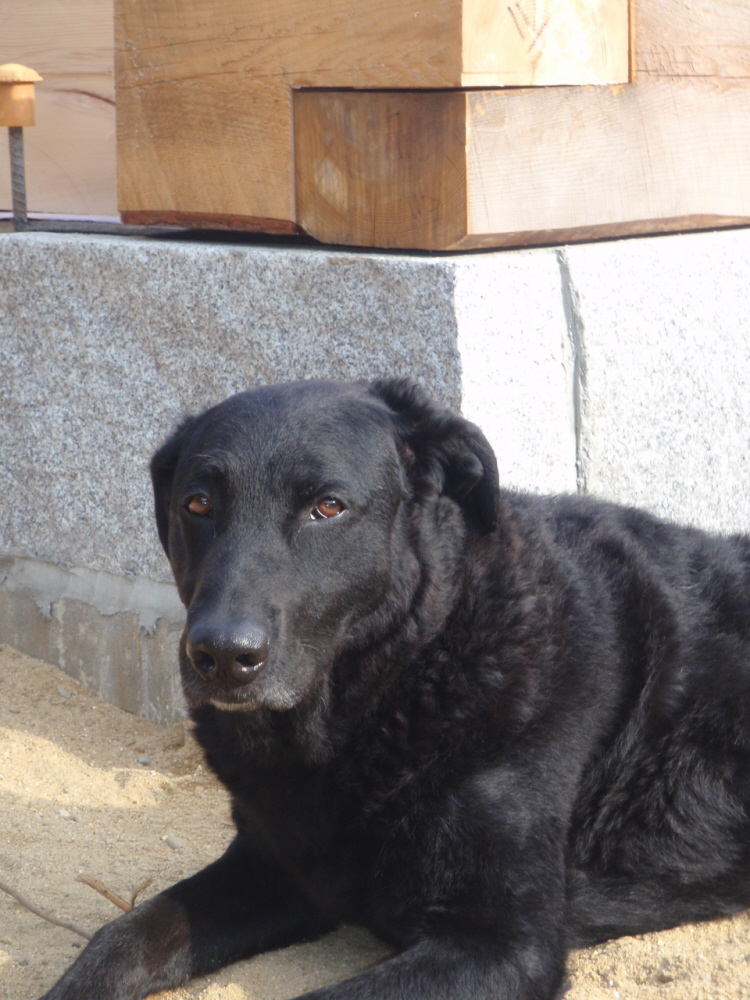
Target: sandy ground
88 789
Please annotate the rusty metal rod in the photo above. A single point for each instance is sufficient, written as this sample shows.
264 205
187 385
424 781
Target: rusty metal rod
17 177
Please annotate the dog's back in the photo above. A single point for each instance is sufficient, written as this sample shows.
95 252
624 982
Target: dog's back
660 833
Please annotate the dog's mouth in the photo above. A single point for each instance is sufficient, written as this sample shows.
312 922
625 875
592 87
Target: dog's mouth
236 699
200 689
263 692
231 704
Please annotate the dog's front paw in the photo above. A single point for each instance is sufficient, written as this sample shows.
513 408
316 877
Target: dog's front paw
144 951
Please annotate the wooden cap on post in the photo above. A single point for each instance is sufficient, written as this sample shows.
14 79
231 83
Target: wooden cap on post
17 95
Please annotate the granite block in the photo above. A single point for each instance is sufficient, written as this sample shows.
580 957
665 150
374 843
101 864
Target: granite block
664 329
619 369
517 365
109 342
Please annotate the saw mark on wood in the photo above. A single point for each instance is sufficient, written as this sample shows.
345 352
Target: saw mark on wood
519 29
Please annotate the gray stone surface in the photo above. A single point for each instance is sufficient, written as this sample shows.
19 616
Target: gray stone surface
618 368
664 326
517 365
108 342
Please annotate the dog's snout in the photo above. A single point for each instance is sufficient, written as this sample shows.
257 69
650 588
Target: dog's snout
228 655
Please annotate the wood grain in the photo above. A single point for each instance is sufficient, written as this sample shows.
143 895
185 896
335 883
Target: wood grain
74 37
225 155
382 43
70 152
607 157
205 104
669 151
698 41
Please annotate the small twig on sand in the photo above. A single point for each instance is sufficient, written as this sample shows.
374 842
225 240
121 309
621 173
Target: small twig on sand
68 925
100 887
138 890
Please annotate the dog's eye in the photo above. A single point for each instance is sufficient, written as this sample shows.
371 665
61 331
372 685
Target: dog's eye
199 505
329 507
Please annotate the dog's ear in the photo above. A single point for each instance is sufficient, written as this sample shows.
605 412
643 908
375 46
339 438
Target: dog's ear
443 449
163 466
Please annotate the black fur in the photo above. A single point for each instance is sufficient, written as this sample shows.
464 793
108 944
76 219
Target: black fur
486 725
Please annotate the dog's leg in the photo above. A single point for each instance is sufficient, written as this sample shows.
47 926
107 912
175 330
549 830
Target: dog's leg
452 969
238 906
487 931
602 908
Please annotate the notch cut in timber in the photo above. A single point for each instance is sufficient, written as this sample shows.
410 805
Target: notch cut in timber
205 87
456 170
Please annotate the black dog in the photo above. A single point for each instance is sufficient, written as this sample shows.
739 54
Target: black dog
487 726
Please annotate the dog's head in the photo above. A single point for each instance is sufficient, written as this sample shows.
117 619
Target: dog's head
303 520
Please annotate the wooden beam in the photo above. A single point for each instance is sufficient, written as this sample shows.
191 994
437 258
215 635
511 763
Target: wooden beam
382 168
531 166
670 151
580 164
201 152
204 90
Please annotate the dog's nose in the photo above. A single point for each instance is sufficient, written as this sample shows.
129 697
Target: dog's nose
230 655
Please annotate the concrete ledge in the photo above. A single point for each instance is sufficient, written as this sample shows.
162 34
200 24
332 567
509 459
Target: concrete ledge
116 635
618 368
